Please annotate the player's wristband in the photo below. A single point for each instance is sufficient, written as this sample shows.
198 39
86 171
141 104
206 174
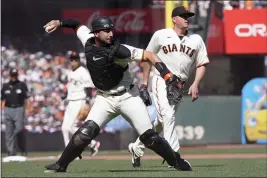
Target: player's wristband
167 76
163 70
70 23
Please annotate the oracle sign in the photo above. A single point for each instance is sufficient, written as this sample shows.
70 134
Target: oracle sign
246 35
251 30
125 20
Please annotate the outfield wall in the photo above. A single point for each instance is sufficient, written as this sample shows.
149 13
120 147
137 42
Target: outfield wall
209 120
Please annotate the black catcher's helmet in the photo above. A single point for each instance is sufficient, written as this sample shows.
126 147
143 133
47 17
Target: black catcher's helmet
101 23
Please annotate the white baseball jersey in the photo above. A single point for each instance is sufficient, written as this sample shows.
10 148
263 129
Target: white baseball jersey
180 56
78 80
84 34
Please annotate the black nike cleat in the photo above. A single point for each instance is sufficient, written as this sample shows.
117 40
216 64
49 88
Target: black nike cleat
52 168
183 164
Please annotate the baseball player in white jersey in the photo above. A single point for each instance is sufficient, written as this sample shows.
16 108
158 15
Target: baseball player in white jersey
79 82
182 52
107 61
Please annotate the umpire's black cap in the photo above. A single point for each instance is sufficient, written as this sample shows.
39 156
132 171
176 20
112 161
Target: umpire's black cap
101 23
182 12
74 56
13 72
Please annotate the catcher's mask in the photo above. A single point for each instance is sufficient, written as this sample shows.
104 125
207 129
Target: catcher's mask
102 23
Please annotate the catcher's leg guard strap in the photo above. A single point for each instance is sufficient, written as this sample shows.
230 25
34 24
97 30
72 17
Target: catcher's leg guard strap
81 138
153 141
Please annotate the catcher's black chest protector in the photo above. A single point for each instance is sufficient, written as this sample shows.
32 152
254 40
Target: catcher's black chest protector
105 73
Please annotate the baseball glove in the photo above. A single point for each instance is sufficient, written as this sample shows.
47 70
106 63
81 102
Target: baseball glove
84 111
144 95
174 88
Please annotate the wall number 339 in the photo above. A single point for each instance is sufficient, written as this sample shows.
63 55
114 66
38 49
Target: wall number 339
190 132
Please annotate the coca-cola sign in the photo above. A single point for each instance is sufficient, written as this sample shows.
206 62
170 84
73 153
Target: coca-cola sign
125 20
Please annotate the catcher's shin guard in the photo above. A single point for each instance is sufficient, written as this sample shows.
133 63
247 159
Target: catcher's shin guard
153 141
79 141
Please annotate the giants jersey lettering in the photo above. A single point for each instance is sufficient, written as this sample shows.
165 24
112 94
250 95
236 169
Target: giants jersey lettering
78 80
181 56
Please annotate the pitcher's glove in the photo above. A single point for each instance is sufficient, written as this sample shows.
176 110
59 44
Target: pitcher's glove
174 89
84 111
144 95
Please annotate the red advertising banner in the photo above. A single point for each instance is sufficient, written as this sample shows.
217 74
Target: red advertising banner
245 31
144 20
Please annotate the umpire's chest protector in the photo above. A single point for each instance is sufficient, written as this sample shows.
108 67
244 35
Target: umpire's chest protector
105 73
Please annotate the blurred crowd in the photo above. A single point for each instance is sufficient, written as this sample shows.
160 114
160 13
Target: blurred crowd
46 78
244 4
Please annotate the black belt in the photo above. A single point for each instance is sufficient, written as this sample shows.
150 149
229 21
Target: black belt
13 106
118 93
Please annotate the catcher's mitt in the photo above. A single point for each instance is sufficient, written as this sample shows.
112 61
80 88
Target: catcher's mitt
84 111
174 88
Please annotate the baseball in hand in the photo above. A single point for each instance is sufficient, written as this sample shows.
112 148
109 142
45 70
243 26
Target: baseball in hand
48 28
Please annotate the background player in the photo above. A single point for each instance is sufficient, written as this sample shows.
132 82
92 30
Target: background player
107 61
78 87
182 52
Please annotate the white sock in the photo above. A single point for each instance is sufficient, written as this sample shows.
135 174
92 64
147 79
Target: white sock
138 148
138 142
92 144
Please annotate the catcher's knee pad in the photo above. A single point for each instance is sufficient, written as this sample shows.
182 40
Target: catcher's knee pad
149 137
86 133
153 141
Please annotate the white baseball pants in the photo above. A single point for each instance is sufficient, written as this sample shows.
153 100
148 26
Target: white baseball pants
69 125
129 105
165 120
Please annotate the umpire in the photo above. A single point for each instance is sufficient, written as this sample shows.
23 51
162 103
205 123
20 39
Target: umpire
14 94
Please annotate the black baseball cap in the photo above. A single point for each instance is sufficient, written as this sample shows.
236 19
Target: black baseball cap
74 56
182 12
13 72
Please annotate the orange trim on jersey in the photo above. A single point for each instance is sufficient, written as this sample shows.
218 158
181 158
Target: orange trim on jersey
202 64
157 95
76 29
167 76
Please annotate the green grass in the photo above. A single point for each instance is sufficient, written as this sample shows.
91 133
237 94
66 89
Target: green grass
182 151
150 168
